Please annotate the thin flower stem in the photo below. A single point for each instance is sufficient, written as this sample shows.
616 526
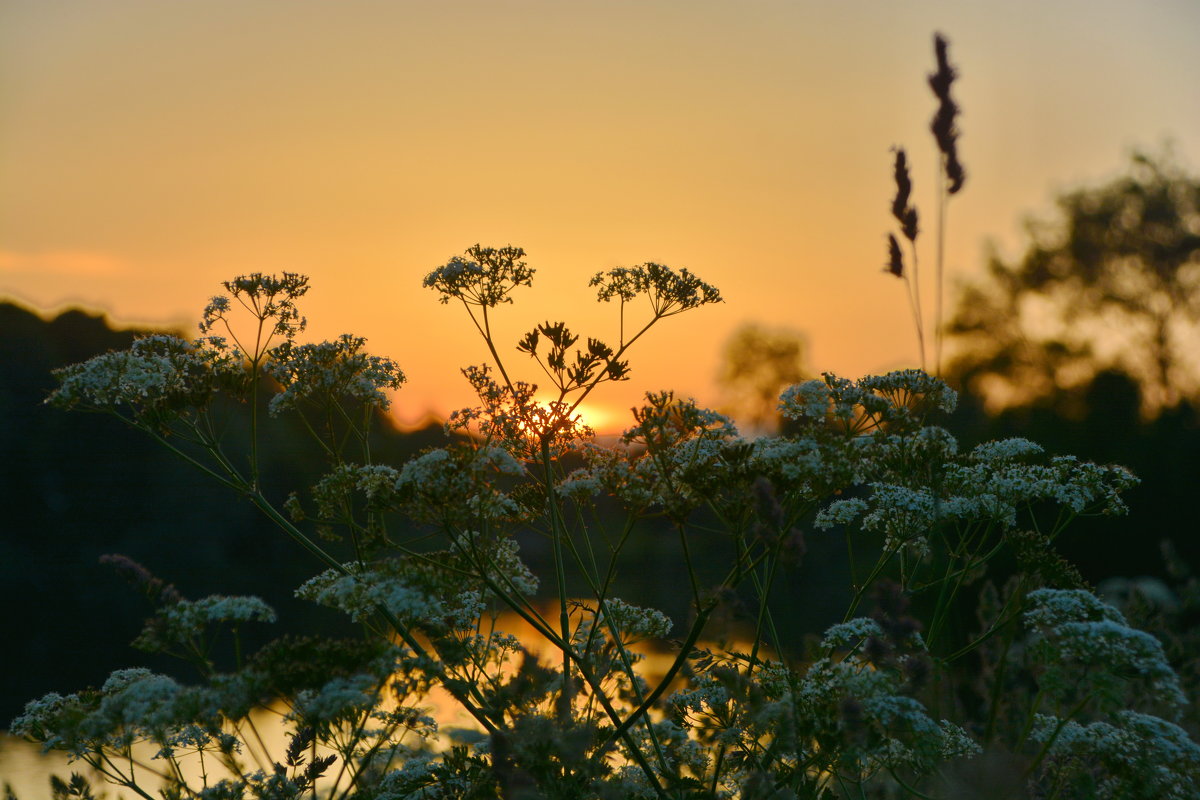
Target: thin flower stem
622 727
684 651
860 591
622 652
941 242
691 569
910 789
764 612
914 298
558 534
1062 723
308 544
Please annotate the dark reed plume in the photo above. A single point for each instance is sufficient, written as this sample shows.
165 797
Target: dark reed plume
951 177
903 210
906 214
895 263
943 126
945 131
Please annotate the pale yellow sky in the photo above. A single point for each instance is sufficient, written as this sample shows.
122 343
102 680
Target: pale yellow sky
149 150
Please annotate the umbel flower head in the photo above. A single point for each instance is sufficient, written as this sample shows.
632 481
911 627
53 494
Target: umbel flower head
484 278
157 378
330 371
670 292
266 297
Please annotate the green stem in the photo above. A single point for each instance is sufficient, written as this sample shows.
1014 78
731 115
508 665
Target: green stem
558 532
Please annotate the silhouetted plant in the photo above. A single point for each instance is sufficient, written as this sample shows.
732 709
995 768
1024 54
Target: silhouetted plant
879 704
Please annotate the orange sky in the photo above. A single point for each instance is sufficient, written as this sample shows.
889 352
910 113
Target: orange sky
149 150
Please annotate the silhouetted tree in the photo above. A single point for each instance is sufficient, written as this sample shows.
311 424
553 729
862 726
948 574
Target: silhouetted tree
758 363
1112 284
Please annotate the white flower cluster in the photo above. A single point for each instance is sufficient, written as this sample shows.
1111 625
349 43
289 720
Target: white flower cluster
850 634
901 386
133 705
703 693
792 465
139 701
664 420
195 738
636 622
217 608
679 458
1006 450
340 699
615 473
388 586
991 483
898 397
458 485
580 485
501 560
158 373
329 372
185 619
39 722
903 514
840 512
266 297
417 779
1132 756
485 277
679 751
998 488
333 493
808 400
858 698
669 292
1082 643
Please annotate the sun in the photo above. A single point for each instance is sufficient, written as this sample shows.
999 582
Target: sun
605 421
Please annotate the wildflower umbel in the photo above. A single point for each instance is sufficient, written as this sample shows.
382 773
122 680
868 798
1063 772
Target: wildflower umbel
485 278
266 297
670 292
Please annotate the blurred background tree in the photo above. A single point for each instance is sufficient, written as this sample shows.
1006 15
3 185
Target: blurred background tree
757 364
1112 285
1090 345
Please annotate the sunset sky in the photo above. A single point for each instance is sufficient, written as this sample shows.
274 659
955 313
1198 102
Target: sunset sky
150 149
